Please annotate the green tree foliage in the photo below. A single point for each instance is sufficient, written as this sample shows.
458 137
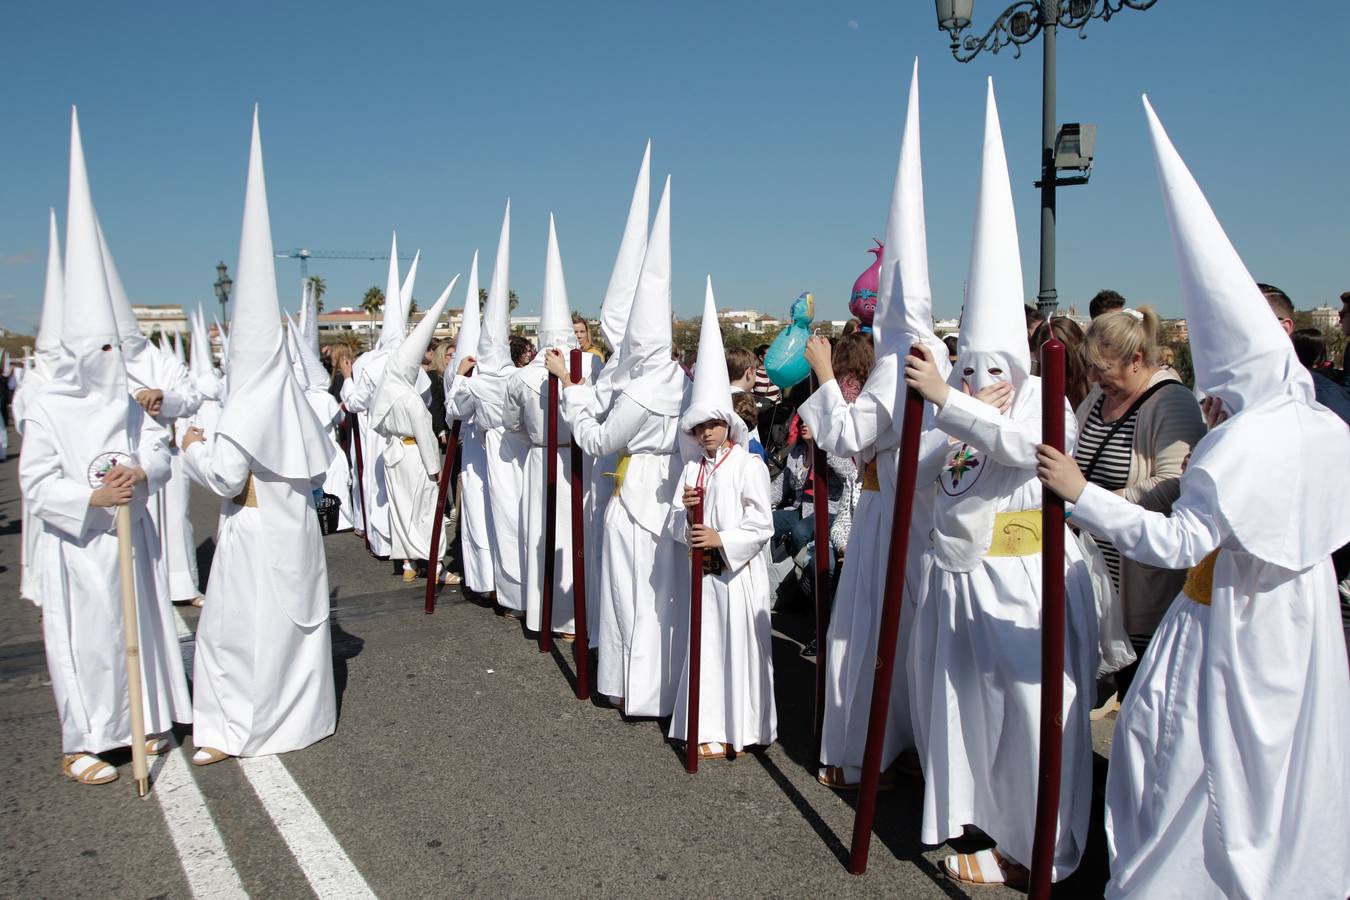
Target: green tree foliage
318 286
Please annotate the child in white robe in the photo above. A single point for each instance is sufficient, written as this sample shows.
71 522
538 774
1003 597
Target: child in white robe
736 703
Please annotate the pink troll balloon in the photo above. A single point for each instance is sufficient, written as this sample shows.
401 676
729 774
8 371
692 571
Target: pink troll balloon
863 301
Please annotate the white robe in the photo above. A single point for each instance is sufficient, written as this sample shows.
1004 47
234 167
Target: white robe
412 472
526 415
483 397
1228 773
263 675
868 429
644 580
169 513
975 647
736 702
338 479
475 510
75 567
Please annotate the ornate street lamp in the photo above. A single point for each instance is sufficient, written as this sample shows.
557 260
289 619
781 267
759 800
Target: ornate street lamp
1072 147
222 286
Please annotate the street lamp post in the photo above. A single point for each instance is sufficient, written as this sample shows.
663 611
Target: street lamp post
1071 149
222 286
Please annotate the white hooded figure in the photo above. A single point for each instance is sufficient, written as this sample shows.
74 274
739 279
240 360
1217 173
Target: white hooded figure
975 647
1228 773
736 704
412 454
155 374
311 375
357 394
482 397
526 414
83 435
206 378
869 430
475 506
53 364
614 312
263 676
644 577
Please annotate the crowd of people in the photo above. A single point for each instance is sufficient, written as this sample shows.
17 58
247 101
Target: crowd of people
1204 596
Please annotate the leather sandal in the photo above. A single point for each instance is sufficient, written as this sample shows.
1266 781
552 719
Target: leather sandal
984 868
155 746
206 756
86 768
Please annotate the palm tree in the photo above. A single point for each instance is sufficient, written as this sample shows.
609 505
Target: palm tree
317 285
512 301
372 303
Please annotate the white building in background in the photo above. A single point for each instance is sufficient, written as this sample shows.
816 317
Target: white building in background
163 318
1324 317
525 326
751 321
944 327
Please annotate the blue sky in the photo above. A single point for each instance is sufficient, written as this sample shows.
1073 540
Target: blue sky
779 121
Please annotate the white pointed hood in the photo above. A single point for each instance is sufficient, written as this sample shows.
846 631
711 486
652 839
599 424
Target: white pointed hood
405 291
305 363
394 323
494 340
623 279
129 330
993 324
646 373
309 318
266 414
710 397
555 320
224 343
1244 358
466 339
53 294
179 351
85 404
204 375
397 409
904 311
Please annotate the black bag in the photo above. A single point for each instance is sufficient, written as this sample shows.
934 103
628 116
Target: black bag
327 508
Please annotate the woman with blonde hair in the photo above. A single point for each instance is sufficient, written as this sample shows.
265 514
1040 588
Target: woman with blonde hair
1136 427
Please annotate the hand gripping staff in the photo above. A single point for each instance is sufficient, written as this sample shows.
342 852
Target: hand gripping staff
550 518
889 629
442 488
581 649
1052 631
820 500
131 643
695 638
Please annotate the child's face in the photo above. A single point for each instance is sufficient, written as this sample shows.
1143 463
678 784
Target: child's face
711 435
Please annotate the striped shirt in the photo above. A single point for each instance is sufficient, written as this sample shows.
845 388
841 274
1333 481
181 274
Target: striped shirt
1112 469
766 388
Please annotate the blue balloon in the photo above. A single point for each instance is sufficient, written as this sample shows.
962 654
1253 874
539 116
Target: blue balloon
786 359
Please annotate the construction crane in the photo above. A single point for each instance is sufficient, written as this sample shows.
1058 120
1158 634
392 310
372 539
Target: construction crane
305 255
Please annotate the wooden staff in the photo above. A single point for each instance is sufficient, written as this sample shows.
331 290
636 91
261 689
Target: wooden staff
550 517
1052 631
581 648
889 630
442 489
695 644
360 477
131 639
820 500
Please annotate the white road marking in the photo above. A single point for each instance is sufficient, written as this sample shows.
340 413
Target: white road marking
201 850
326 866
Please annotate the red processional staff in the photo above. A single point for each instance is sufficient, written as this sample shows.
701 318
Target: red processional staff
442 492
360 477
581 647
889 630
1052 631
820 501
695 637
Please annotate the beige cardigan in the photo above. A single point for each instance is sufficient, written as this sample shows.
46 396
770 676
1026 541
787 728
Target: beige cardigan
1168 426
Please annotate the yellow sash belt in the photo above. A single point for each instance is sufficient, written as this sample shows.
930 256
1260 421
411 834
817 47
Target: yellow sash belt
248 496
619 472
1016 533
870 482
1200 580
411 442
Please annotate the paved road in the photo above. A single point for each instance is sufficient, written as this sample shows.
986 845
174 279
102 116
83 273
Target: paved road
462 766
